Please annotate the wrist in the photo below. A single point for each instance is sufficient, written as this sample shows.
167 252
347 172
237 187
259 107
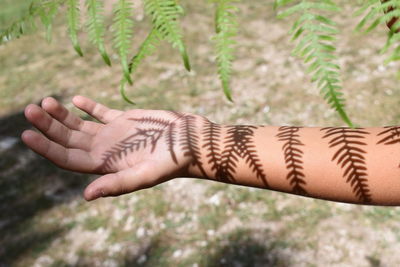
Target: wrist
199 141
229 154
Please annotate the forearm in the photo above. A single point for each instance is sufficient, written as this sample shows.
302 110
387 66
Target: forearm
339 164
139 149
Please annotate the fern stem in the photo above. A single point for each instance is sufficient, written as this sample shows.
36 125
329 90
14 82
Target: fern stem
147 48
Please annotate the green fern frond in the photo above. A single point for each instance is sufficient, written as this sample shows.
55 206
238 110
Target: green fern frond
383 12
226 29
47 11
16 29
20 26
73 21
316 34
123 27
165 18
96 28
147 48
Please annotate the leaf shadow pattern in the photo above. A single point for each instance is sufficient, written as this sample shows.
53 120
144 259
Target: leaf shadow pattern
212 135
293 157
171 129
189 142
185 136
239 144
351 158
141 139
390 136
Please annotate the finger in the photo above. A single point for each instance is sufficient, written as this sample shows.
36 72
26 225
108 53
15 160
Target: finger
63 115
122 182
56 131
70 159
98 111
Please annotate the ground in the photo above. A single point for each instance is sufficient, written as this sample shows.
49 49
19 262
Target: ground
44 220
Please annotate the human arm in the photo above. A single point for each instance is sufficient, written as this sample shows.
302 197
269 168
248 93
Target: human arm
139 149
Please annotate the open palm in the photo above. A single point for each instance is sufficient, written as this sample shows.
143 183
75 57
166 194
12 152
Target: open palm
135 149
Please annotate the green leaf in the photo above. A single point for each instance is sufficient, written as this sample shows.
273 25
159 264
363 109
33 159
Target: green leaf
165 16
22 25
123 27
226 29
96 28
147 48
47 10
73 17
315 35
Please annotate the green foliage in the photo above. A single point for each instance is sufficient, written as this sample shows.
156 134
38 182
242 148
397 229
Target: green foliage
73 17
12 10
25 23
314 31
47 11
316 35
383 12
147 48
123 27
95 26
165 18
226 29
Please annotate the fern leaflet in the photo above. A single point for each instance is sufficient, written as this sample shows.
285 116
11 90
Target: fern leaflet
316 48
73 17
165 18
123 25
47 10
16 29
20 26
226 28
96 28
147 48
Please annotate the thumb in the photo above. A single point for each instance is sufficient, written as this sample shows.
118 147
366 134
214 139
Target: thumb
122 182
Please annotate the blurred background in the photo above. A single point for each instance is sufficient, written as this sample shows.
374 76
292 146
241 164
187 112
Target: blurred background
44 220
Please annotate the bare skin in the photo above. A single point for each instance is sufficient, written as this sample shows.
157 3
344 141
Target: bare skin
139 149
78 145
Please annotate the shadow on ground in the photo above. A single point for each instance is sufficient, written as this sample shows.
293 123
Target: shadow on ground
240 248
245 248
29 185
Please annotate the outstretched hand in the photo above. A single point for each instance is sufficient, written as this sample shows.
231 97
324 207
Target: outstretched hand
134 150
